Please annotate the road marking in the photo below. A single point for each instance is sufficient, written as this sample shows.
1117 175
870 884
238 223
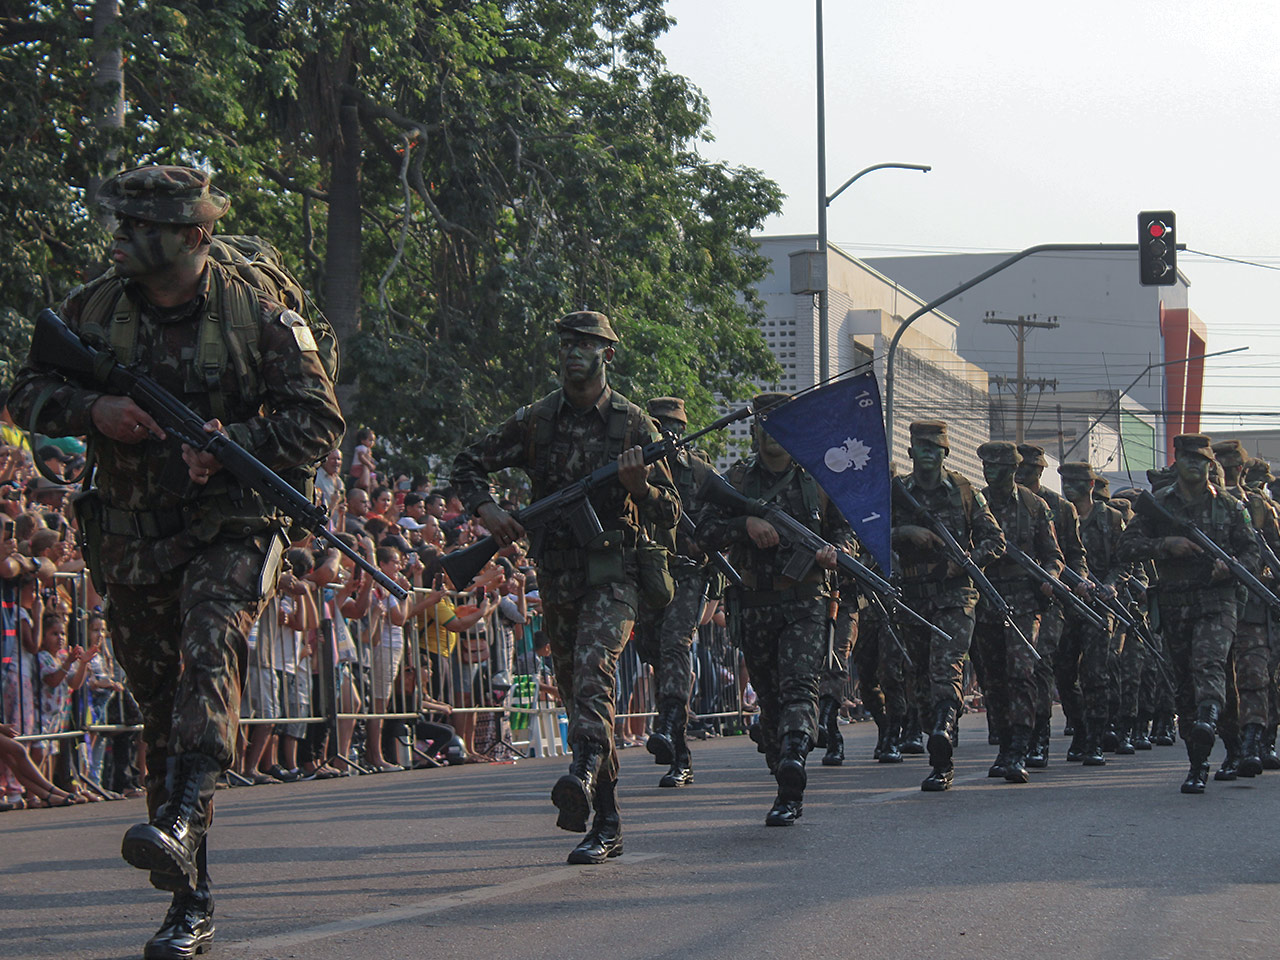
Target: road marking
266 946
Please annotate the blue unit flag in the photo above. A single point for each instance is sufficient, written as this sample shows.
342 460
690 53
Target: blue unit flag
837 433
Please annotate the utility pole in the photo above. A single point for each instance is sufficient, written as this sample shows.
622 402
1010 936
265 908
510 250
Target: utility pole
1022 328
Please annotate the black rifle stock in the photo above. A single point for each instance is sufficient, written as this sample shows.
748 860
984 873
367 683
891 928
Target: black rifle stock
1147 506
715 557
804 543
1060 589
55 346
960 557
570 503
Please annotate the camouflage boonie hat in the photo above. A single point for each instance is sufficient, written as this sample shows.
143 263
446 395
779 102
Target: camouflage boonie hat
670 408
1196 443
589 322
164 194
1258 470
1032 455
1161 477
934 431
1101 487
1230 453
1000 452
1076 470
1127 494
763 402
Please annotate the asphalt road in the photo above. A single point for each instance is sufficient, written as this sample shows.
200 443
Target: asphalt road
466 863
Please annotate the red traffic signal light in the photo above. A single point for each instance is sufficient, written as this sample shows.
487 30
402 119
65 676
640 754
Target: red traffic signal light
1157 249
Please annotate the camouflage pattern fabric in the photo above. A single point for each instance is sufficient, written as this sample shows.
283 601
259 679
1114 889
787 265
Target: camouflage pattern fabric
784 646
938 672
869 637
164 194
835 674
663 639
1130 666
183 645
1006 668
1250 670
1096 651
587 635
1198 639
1047 639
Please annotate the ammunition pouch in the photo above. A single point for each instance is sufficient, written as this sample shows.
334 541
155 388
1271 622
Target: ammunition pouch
657 587
88 511
606 558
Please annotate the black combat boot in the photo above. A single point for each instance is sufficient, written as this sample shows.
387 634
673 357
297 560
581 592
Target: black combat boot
169 842
574 793
993 730
1091 754
1125 747
940 749
1141 734
1165 735
912 740
604 839
187 929
680 773
1001 764
1230 768
1270 759
887 748
1251 750
1038 750
1199 736
1075 749
792 779
1015 765
1109 739
661 742
829 720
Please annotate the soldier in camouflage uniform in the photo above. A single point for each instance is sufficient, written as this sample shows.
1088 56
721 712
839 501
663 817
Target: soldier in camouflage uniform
1257 476
938 588
184 557
842 627
1086 654
783 621
590 592
664 637
1066 526
1006 665
1245 718
1198 597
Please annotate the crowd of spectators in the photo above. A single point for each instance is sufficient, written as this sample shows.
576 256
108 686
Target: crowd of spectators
414 684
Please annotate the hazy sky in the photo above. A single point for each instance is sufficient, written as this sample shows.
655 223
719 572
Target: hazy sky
1043 123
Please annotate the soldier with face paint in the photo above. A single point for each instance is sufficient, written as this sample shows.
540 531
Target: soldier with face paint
1006 666
1198 597
185 556
938 588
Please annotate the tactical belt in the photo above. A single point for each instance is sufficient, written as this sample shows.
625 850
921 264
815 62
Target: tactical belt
143 524
554 560
769 598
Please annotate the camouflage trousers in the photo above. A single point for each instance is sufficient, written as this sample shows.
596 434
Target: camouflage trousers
587 635
1083 668
1248 676
1155 695
1006 667
663 638
937 674
1198 638
183 644
1130 665
835 678
866 661
1047 639
784 645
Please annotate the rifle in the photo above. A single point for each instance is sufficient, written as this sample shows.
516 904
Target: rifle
804 544
1113 607
1060 589
961 558
1142 630
571 505
1147 506
717 559
56 346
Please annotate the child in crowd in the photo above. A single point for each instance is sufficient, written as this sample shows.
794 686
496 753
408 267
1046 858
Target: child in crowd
363 466
62 671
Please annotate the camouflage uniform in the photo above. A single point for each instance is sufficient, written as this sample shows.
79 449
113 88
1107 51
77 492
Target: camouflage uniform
587 623
1006 666
1198 614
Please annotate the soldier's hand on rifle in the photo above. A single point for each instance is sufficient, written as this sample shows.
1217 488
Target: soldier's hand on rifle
633 472
1179 547
1082 589
1046 589
917 537
762 533
123 420
1106 591
1220 571
503 527
826 557
200 465
954 570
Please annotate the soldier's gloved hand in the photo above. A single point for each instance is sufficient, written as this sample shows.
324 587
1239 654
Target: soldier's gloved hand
1179 547
123 420
762 533
200 465
826 557
1220 571
504 528
633 472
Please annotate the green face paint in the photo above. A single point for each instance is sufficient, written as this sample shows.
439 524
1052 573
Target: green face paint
142 247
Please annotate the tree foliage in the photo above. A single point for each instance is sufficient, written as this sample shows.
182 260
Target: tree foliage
447 176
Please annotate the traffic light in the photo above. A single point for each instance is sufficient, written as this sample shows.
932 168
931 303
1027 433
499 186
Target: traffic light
1157 249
